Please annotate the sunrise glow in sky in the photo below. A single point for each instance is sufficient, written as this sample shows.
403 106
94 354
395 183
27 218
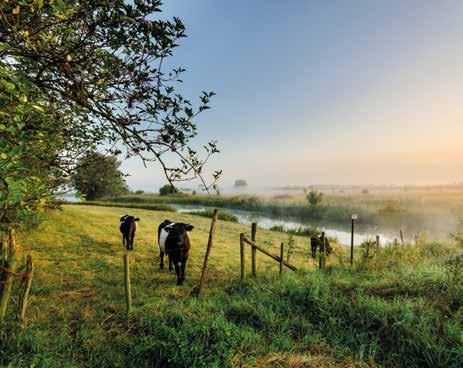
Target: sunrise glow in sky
315 92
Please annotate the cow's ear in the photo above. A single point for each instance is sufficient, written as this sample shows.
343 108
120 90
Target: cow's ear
189 227
137 219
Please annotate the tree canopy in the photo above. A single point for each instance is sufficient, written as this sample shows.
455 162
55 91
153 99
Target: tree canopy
76 75
168 189
98 176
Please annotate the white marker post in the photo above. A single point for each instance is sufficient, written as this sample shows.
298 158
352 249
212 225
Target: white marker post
354 217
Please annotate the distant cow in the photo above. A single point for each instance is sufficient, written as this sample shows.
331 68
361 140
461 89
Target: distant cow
128 228
173 240
316 242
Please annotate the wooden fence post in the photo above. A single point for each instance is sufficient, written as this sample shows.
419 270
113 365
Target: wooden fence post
352 242
275 257
27 287
253 249
378 244
128 287
322 252
8 272
210 242
402 237
242 255
282 256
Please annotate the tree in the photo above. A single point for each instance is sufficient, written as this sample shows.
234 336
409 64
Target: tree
314 198
240 183
75 75
99 176
167 189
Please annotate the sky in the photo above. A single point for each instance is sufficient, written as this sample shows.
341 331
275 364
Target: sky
324 92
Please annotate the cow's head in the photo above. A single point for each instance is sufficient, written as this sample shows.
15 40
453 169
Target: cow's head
178 233
129 219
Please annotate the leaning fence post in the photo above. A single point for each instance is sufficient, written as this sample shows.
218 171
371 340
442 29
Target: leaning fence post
253 249
208 250
8 270
282 256
128 288
402 237
27 287
242 255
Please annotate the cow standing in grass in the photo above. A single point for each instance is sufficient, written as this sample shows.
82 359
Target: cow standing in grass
128 228
173 240
316 242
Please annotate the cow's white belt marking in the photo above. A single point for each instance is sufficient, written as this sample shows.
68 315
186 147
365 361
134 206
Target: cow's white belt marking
163 236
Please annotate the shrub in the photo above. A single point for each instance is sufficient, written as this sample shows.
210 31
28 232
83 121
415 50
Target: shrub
314 198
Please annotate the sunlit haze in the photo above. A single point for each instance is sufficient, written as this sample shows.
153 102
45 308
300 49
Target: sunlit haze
364 92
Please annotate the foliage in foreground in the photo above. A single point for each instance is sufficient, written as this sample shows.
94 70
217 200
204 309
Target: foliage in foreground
77 75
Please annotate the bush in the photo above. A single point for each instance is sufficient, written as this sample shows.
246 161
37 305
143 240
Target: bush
314 198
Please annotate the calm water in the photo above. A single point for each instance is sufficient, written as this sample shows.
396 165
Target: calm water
266 222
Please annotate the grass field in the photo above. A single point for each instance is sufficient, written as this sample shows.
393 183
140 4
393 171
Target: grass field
397 307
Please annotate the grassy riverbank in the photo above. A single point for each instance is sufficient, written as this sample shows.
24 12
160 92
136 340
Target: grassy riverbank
437 212
398 306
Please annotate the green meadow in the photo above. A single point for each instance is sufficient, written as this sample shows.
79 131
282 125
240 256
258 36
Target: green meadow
397 306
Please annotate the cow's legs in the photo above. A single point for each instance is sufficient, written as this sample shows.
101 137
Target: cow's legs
161 256
171 264
131 242
183 266
178 271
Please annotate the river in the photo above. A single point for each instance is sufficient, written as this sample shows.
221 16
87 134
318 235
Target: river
265 222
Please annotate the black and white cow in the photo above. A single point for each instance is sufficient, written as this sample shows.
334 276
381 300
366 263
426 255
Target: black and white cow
173 240
128 228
